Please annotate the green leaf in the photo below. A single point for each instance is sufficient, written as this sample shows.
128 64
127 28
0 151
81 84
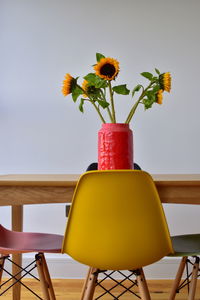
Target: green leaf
96 81
156 88
136 89
151 95
81 105
147 75
151 98
100 83
91 77
157 71
103 104
121 89
76 92
147 103
155 78
99 56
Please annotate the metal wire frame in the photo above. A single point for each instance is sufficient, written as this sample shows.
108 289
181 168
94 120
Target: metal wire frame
109 275
26 271
187 280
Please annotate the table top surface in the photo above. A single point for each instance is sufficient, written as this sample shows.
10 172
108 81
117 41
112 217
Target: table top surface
71 179
20 189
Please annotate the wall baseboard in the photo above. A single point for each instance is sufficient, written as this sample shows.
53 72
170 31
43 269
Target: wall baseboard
62 266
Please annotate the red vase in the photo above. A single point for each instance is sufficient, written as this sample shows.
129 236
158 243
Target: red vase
115 147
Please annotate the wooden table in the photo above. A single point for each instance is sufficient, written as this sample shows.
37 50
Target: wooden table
19 190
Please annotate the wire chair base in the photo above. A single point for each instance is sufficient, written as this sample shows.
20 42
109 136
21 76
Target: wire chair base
117 287
186 282
17 278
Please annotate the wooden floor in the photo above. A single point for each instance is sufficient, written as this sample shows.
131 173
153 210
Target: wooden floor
69 289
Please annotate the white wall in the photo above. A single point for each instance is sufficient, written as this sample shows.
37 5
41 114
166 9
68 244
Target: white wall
43 132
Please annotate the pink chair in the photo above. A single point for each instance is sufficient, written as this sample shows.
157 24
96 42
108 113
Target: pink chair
13 242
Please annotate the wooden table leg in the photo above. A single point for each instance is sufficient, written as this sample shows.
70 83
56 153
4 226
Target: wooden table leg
17 225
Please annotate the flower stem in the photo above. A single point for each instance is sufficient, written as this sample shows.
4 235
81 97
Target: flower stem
132 112
98 111
133 109
110 115
112 102
108 109
93 103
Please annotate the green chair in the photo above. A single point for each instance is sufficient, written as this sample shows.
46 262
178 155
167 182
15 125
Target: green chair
188 247
116 222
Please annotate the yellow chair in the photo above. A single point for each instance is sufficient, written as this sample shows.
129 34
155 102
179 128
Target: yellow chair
116 222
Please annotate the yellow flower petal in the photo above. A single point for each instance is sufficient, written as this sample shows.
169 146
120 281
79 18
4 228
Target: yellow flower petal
85 87
165 81
159 97
67 84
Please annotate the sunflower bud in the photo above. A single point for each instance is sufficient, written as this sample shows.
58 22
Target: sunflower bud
67 84
159 97
165 81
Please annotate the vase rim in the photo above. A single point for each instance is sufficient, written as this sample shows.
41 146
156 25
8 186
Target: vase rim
115 125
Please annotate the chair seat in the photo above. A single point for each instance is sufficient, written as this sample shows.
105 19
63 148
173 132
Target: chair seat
186 245
22 242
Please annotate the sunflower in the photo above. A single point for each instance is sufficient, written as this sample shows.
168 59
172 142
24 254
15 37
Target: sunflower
85 87
67 84
107 68
159 97
90 90
165 81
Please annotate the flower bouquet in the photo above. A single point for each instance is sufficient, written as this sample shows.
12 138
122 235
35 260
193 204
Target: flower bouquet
97 89
115 140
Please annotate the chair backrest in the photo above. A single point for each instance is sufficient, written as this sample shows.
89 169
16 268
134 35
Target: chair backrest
94 166
116 221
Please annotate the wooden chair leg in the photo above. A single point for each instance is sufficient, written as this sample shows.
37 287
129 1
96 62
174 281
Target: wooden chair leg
48 277
194 279
85 282
142 284
16 290
178 277
89 285
17 225
41 274
2 261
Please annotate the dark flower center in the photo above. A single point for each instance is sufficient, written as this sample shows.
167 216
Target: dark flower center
108 70
161 81
72 84
91 89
